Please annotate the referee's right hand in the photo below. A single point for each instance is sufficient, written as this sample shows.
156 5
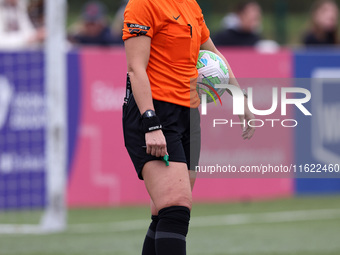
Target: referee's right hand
156 143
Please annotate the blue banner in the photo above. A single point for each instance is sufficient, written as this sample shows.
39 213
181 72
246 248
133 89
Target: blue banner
318 138
22 132
22 126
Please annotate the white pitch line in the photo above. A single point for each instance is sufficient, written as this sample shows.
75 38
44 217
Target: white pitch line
20 229
202 221
273 217
211 221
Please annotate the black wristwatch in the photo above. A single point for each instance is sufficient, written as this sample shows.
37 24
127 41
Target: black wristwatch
148 114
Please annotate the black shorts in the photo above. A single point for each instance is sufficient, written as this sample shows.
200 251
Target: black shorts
181 128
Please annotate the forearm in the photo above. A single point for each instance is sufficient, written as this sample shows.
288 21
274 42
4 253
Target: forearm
137 54
141 89
209 45
232 77
248 131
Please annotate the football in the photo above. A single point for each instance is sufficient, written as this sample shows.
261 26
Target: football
211 71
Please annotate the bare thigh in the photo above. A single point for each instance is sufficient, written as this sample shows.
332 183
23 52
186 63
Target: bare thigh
192 176
167 185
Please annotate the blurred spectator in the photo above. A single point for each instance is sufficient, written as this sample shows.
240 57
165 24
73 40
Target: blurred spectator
230 20
36 13
242 27
324 24
93 28
118 21
16 29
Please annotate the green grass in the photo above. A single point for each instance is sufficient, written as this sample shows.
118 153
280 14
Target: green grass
306 225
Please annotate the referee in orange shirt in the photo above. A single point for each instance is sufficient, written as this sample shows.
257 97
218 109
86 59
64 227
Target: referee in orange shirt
160 114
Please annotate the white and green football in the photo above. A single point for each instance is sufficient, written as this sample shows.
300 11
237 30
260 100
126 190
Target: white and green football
211 71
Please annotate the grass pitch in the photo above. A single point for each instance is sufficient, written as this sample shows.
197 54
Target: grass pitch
299 226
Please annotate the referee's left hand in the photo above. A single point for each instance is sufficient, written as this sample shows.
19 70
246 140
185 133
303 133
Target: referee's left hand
156 143
248 131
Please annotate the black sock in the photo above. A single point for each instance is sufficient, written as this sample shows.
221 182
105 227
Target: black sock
149 242
172 230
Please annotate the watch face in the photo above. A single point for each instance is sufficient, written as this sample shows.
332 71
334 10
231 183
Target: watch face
149 114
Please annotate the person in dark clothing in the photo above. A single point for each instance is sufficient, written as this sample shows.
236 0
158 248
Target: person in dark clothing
236 37
245 32
324 24
94 28
96 34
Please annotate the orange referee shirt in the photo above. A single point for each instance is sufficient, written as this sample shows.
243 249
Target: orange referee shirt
177 30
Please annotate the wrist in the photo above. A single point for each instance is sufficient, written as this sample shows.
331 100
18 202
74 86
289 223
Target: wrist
245 93
150 121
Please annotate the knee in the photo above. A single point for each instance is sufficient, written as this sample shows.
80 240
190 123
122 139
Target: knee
174 219
179 200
